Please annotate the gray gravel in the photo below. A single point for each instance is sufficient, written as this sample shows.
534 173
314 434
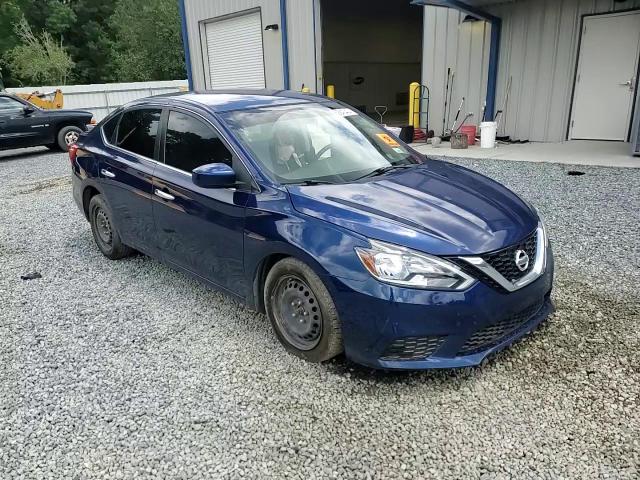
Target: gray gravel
130 370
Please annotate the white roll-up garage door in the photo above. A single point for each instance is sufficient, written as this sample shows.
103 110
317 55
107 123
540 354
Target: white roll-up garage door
234 48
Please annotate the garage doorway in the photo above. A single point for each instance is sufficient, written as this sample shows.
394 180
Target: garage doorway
233 53
606 77
371 52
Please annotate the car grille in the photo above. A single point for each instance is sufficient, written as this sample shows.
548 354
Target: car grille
492 334
412 348
503 261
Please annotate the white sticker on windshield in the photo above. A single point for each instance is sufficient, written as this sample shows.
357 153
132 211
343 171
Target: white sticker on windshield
344 112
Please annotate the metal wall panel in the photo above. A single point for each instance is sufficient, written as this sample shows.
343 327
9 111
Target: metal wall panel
198 12
538 51
301 32
463 47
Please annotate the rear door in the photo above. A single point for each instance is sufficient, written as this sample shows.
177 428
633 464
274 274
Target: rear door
200 230
126 169
19 129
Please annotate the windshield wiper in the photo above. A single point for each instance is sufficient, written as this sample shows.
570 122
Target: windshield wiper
309 183
383 170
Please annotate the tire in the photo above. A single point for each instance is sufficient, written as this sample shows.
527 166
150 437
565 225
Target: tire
293 291
68 135
104 233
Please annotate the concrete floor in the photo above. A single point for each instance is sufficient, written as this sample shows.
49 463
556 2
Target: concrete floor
575 152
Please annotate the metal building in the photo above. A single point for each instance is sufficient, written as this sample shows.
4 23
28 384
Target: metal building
558 69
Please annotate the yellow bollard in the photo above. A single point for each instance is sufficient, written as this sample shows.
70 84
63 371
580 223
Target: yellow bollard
331 91
414 104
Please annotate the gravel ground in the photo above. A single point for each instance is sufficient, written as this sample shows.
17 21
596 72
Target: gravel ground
130 370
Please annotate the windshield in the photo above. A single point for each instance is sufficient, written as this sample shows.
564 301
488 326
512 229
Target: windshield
317 143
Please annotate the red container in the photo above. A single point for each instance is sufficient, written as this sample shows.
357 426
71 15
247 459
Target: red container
470 132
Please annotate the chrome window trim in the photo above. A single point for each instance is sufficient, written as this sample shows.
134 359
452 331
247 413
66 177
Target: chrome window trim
185 110
539 265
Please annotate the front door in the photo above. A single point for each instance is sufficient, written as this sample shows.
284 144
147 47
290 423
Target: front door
20 129
606 77
198 229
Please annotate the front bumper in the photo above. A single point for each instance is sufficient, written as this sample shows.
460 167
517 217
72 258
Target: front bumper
400 328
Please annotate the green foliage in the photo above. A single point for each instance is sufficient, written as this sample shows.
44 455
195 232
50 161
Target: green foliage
60 18
119 40
91 41
38 58
148 43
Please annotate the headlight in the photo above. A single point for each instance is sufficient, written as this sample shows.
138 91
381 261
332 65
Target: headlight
408 268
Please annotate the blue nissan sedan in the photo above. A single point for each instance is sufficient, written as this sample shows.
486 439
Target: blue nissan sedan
305 209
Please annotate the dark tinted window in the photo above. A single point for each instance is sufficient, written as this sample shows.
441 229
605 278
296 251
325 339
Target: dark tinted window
191 143
109 128
9 104
137 131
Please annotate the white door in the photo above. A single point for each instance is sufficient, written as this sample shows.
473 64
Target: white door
605 81
234 51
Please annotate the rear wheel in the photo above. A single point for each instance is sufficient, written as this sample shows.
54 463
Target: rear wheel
67 136
302 311
104 232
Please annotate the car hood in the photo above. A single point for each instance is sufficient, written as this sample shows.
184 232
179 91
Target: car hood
437 207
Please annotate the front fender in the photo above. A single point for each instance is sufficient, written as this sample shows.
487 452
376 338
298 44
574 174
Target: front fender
326 248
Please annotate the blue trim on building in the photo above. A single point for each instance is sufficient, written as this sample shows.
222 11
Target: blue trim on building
285 45
185 43
494 48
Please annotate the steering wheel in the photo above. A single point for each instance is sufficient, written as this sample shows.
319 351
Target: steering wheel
322 151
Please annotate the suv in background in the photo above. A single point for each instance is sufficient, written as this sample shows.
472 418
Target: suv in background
22 124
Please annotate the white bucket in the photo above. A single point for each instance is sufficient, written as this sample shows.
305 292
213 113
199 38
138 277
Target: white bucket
488 132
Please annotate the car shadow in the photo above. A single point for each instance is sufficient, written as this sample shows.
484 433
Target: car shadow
9 155
342 366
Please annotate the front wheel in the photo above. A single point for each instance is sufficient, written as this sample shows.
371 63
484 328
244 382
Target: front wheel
302 311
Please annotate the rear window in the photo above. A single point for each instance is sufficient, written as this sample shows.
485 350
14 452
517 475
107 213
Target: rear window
137 131
109 128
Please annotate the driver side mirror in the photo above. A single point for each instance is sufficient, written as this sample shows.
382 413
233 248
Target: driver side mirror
28 110
214 175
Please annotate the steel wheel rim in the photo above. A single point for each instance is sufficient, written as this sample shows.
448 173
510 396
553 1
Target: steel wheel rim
103 227
297 313
71 137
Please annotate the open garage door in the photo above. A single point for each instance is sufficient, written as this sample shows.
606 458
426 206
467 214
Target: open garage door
371 52
234 52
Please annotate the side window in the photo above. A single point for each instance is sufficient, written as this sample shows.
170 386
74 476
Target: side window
138 130
8 104
109 128
191 143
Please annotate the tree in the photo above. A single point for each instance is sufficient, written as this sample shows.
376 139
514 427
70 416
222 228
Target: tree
10 15
90 43
38 59
148 44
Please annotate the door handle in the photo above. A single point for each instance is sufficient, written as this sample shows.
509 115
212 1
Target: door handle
165 195
626 84
107 173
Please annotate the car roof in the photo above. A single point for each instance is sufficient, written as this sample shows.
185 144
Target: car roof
228 100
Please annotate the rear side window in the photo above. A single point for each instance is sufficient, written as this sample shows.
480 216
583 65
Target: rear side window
191 143
138 129
109 128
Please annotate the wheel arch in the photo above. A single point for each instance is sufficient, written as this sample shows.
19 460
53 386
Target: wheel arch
88 193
